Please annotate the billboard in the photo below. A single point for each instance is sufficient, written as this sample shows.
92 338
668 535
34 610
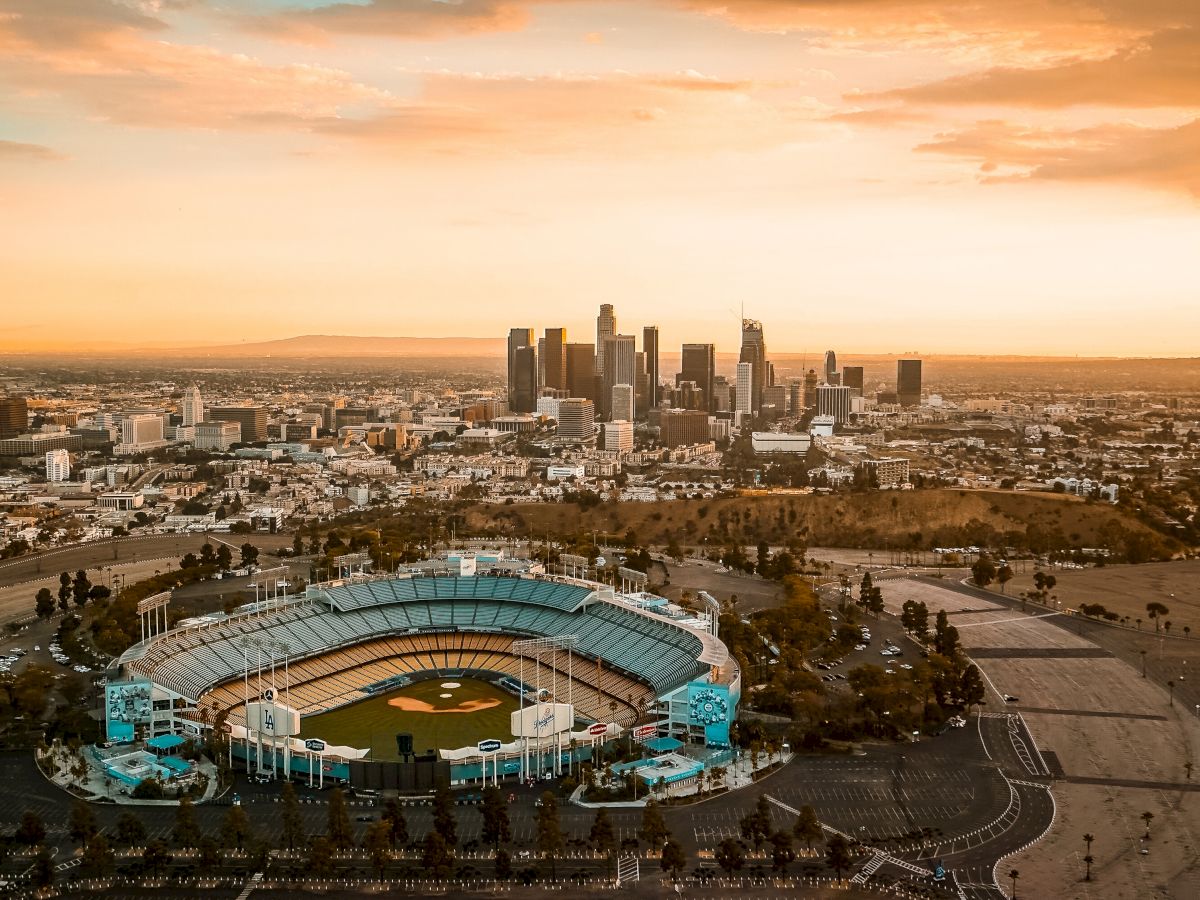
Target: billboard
542 720
272 719
128 704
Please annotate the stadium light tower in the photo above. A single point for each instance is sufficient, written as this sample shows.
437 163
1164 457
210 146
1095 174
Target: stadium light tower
535 649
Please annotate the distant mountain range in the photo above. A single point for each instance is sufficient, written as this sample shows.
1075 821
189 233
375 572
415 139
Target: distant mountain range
352 345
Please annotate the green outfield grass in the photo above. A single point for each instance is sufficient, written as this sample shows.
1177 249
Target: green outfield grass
375 722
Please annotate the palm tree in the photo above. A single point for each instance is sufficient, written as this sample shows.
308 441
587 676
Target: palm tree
1014 875
1147 817
1087 840
1186 630
1171 693
1088 860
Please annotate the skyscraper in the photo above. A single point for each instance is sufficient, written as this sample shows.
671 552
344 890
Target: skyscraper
852 377
581 370
555 359
619 367
522 398
650 349
745 386
518 338
576 420
192 407
834 400
908 382
14 416
621 403
58 465
606 326
699 365
810 389
754 351
830 365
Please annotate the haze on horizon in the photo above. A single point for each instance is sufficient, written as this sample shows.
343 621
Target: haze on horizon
1004 177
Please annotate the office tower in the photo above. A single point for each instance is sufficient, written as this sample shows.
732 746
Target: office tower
518 338
650 350
192 407
576 420
14 416
619 367
581 370
908 382
252 419
606 327
795 397
523 396
541 364
834 400
699 365
810 389
622 403
754 351
217 435
617 436
830 365
679 427
722 399
142 430
774 400
852 377
58 466
554 359
688 396
743 400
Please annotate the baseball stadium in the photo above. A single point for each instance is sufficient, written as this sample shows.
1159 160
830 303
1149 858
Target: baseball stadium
483 666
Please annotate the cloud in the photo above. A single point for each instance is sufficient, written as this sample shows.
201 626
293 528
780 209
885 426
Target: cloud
390 18
1162 158
14 150
1162 70
71 23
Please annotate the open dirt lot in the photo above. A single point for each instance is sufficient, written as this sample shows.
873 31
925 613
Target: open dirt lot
1008 628
898 591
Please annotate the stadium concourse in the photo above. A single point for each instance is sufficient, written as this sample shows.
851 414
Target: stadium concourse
585 660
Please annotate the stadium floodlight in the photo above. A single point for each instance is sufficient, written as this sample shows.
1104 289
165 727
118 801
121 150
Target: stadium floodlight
153 622
535 649
537 646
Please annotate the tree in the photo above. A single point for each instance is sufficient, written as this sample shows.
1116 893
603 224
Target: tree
235 829
837 852
397 823
1087 840
340 831
130 830
971 690
503 865
155 856
186 832
320 857
782 854
31 831
756 827
496 829
654 827
674 860
1156 611
290 818
1147 817
983 572
729 856
207 557
807 827
249 554
378 844
82 823
298 544
99 592
189 561
436 855
45 604
1087 861
1004 575
98 858
1014 875
549 832
224 558
43 869
64 591
443 815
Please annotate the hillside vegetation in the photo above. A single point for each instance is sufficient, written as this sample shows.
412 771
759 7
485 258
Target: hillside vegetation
924 519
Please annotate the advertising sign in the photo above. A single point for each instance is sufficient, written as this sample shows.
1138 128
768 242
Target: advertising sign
489 746
542 720
645 732
272 719
316 745
128 704
598 729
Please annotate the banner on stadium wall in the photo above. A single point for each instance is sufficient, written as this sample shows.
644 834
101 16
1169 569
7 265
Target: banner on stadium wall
272 719
542 720
128 704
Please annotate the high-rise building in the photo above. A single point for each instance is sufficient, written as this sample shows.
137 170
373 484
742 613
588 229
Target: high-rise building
192 407
217 435
252 419
58 466
795 397
576 420
606 326
830 365
774 401
699 365
142 430
622 404
852 377
522 397
617 436
810 389
14 416
743 396
679 427
619 367
834 400
722 401
908 382
581 370
650 349
754 351
554 359
517 339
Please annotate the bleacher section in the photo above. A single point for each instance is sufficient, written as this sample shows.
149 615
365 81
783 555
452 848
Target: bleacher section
335 679
630 645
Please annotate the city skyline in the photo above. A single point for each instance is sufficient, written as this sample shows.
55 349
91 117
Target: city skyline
1000 178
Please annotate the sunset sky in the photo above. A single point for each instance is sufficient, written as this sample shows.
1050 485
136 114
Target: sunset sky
998 176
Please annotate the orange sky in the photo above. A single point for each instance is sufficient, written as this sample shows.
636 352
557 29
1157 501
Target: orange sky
878 175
